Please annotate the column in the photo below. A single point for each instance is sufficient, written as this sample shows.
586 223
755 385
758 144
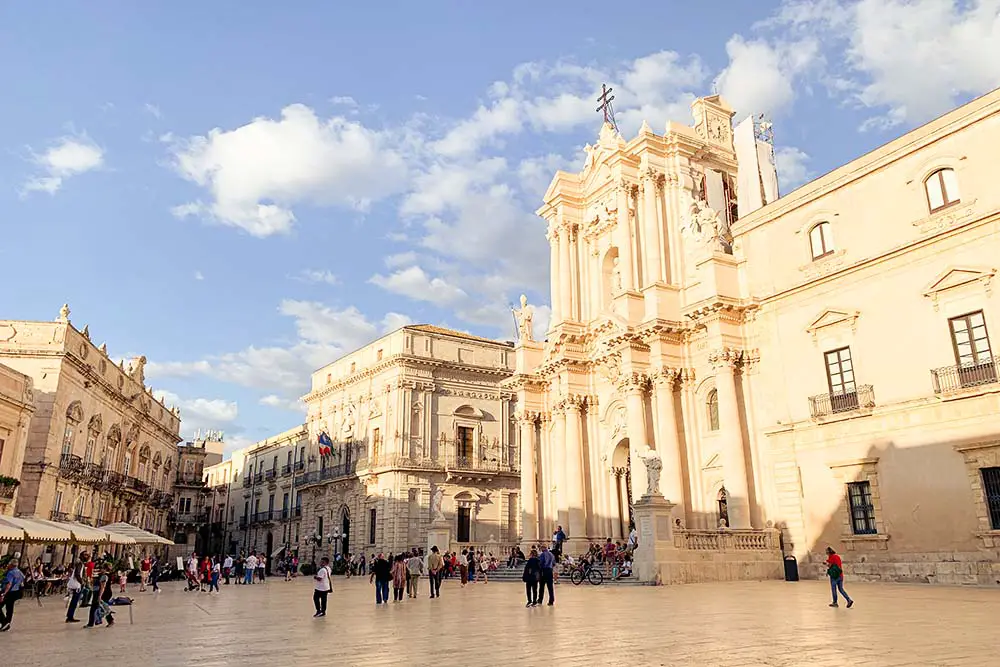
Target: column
694 459
565 275
634 388
734 467
661 226
529 508
574 269
625 259
667 443
548 510
651 236
561 504
577 527
553 237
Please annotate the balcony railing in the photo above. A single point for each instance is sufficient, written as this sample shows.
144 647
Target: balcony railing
824 405
84 519
190 479
192 517
243 522
56 515
264 517
298 511
952 379
300 466
258 477
270 474
284 513
286 470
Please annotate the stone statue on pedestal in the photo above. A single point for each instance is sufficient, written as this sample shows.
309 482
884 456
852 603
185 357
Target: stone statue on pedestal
524 315
653 467
436 498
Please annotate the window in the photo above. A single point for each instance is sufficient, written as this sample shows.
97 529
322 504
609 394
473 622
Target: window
466 440
376 443
288 459
971 344
88 455
862 511
821 240
100 513
378 355
353 366
128 463
270 503
713 410
991 489
840 379
329 378
942 189
464 524
67 447
319 526
58 503
284 502
372 520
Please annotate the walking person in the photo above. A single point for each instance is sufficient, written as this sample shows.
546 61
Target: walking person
547 562
227 568
398 578
102 594
558 537
10 592
835 570
323 587
435 570
154 574
144 573
74 587
471 558
215 574
415 566
249 567
531 576
381 575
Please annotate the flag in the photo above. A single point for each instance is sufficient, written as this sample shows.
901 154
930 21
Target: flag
325 444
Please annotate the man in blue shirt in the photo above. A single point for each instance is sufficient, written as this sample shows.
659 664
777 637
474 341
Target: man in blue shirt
548 562
10 592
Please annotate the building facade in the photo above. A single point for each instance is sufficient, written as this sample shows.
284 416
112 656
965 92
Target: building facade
821 364
195 525
100 447
17 404
421 432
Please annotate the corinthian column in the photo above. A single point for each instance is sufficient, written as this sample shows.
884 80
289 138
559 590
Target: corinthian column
625 258
634 386
667 443
734 467
559 462
574 469
565 275
554 274
529 507
651 235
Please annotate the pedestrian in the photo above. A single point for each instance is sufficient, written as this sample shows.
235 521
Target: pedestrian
240 563
227 568
154 574
547 562
323 587
261 566
531 576
415 566
74 587
835 570
463 567
435 570
398 578
471 557
250 568
483 567
558 537
10 592
102 593
144 573
381 574
216 572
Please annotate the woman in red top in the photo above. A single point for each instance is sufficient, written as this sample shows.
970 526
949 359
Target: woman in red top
835 570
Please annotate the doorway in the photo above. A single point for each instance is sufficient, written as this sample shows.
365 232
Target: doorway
345 542
464 524
268 551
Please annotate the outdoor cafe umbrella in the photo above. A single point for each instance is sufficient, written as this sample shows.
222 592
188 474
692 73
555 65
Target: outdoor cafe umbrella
36 530
138 534
10 533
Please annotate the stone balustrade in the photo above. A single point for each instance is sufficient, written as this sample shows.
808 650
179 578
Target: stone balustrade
726 539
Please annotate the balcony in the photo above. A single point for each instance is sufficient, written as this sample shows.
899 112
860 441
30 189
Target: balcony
286 470
298 512
270 475
191 518
258 477
243 523
71 466
190 479
56 515
84 519
826 405
7 487
285 514
264 517
300 466
956 379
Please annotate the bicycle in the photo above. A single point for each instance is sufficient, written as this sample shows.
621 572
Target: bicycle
586 571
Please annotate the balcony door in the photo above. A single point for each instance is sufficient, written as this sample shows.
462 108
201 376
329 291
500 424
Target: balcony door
971 343
840 378
465 444
464 524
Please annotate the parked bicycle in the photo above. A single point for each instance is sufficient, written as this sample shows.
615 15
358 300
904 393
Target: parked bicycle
588 571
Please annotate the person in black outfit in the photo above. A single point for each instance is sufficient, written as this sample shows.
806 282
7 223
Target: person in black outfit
381 575
531 576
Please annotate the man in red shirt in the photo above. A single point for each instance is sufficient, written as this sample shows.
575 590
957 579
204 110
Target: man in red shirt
835 570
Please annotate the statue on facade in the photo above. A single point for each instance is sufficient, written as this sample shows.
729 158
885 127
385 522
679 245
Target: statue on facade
137 369
64 313
347 425
653 467
524 315
616 275
437 514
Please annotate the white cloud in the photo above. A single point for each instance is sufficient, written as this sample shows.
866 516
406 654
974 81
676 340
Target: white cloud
414 283
198 275
256 173
153 110
344 100
401 259
317 276
792 167
201 413
275 401
69 156
536 173
393 321
761 76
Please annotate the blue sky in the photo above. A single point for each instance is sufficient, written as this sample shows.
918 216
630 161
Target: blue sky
244 191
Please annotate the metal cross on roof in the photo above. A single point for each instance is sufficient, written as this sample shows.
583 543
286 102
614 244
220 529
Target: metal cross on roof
605 99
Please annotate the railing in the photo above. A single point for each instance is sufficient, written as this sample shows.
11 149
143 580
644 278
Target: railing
727 539
166 501
951 379
190 479
56 515
192 517
499 549
243 523
269 475
823 405
7 489
286 470
247 481
258 477
71 466
298 511
300 466
264 517
284 513
84 519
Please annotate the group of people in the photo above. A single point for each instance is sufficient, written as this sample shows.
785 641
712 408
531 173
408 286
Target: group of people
207 571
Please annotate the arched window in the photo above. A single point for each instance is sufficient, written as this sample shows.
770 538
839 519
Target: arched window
942 189
74 415
821 240
713 410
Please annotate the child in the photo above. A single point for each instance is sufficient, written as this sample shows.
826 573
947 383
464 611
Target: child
122 578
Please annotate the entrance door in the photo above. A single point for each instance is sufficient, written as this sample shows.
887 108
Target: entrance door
622 471
464 523
268 551
345 532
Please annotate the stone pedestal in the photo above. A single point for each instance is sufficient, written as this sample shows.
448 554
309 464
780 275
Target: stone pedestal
654 523
439 535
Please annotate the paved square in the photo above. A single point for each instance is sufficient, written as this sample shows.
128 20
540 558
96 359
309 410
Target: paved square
767 623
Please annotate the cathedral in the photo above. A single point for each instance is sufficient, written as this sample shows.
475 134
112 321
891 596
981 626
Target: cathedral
815 366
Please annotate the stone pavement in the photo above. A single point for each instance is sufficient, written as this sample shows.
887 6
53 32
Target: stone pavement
748 623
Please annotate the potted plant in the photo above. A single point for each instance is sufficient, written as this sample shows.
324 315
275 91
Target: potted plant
8 486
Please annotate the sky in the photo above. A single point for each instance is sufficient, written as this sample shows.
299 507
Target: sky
245 191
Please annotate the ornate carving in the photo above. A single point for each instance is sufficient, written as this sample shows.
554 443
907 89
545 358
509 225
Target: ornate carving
633 381
726 357
666 376
653 467
524 316
137 369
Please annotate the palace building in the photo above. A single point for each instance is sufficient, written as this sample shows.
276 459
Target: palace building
421 433
100 448
819 363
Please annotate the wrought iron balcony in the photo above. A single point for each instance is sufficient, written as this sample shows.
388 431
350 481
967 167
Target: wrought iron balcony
824 405
269 475
286 470
300 466
190 479
953 379
192 517
264 517
243 523
56 515
84 519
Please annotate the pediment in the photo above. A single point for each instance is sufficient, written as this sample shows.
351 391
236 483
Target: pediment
832 317
959 276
